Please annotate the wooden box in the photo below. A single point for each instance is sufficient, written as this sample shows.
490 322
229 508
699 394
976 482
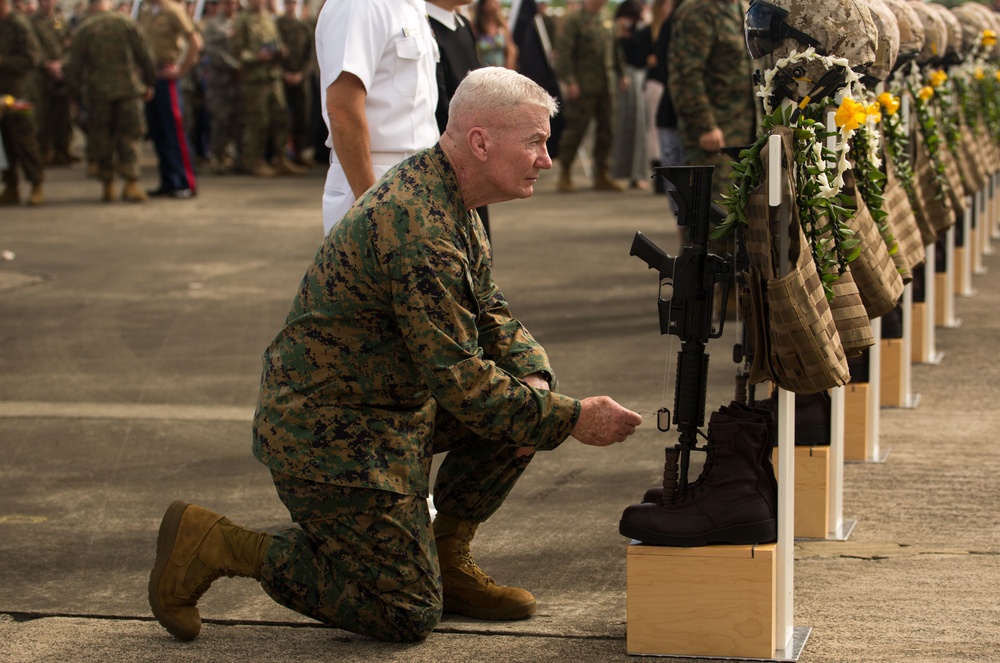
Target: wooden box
708 601
812 491
891 387
940 295
959 269
919 343
857 412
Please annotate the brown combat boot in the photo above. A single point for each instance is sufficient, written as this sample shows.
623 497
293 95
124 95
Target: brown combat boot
467 589
132 192
37 195
10 195
284 166
566 180
193 548
262 169
603 182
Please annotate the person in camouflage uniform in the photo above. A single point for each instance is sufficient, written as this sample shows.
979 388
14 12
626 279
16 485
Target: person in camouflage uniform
298 40
222 86
19 56
257 45
112 66
711 84
52 115
589 69
399 345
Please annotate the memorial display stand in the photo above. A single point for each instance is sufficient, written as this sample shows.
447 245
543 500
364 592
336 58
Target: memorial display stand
724 601
945 282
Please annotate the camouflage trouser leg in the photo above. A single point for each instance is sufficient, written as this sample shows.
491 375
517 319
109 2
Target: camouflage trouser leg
578 114
266 119
476 475
222 102
364 560
721 183
22 148
295 97
115 130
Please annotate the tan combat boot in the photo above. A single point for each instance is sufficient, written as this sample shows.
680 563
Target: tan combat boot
132 192
566 180
262 169
193 548
284 166
108 187
10 195
603 182
467 589
37 195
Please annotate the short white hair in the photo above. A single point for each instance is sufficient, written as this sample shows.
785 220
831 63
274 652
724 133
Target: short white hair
498 89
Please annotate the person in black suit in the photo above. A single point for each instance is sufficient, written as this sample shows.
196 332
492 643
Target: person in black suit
458 57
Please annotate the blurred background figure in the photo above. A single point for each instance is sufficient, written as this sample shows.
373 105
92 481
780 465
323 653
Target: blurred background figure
670 146
222 89
298 39
494 44
629 160
534 34
55 128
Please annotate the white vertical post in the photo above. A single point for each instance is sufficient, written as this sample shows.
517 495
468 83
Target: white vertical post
910 399
874 389
965 277
836 503
785 562
950 274
930 354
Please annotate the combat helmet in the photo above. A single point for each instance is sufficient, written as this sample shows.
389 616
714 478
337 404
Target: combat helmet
888 42
953 51
838 28
911 31
975 18
935 34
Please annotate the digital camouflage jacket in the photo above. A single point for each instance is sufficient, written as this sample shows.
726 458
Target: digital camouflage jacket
397 319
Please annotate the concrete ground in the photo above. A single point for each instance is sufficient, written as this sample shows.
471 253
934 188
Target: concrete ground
130 343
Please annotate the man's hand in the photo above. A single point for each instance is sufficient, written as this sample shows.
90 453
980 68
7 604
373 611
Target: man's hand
171 72
572 90
603 421
712 141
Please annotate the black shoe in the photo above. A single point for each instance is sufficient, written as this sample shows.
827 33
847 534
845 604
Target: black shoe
182 194
158 193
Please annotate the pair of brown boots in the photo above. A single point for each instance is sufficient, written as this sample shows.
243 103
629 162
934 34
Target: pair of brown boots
602 182
131 192
196 546
11 196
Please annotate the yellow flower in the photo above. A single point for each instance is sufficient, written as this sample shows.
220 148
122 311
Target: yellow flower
7 101
989 38
889 102
997 74
926 93
850 115
873 112
938 77
980 74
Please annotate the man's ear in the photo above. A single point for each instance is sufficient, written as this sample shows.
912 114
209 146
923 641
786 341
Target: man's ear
479 142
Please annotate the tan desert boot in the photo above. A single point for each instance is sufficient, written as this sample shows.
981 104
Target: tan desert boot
467 589
566 181
37 195
10 196
602 182
132 192
193 548
284 166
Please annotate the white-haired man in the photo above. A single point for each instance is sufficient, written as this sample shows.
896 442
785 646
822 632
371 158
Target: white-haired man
399 345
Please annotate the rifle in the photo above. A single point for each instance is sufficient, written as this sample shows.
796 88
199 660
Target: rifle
689 282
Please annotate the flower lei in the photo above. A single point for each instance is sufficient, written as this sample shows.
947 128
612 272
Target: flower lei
928 127
897 144
819 170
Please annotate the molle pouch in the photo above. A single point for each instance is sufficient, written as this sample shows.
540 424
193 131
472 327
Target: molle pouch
903 222
878 281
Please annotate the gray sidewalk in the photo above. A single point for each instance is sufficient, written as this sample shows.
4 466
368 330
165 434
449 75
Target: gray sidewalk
130 343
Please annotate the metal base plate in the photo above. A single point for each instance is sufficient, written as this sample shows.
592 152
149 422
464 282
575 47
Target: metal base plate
911 402
800 634
934 359
842 534
880 457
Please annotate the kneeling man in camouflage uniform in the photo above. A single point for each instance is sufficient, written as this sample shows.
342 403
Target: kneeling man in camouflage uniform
399 345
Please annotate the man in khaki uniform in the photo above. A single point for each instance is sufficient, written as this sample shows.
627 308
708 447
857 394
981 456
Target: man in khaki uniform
169 30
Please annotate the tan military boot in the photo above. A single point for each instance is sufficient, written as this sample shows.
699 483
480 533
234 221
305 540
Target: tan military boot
566 181
10 195
603 182
284 166
262 169
132 192
37 195
193 548
467 589
108 187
